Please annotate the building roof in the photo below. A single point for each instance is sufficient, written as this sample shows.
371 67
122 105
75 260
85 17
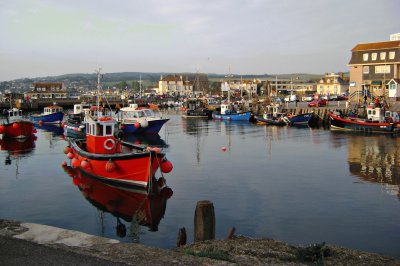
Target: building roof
376 46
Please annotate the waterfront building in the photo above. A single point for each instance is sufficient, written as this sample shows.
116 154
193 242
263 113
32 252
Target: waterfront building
372 67
47 90
280 87
333 84
189 85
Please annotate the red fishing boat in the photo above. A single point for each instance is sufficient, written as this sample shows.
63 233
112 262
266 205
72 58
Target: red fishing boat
104 155
15 126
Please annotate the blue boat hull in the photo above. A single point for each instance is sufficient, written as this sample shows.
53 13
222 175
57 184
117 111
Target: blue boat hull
245 116
50 118
301 119
153 128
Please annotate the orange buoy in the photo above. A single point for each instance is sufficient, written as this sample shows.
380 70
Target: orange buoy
75 162
110 166
76 181
64 163
40 123
223 148
70 155
67 150
15 125
166 166
85 164
122 126
137 125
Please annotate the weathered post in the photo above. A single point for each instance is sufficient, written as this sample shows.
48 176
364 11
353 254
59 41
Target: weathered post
204 221
181 237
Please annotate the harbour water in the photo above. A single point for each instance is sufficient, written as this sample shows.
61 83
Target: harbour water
298 185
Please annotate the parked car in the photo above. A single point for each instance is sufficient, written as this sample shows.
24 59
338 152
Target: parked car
317 103
291 98
307 98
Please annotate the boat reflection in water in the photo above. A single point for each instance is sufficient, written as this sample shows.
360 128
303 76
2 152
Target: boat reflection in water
17 148
376 159
134 206
146 139
55 129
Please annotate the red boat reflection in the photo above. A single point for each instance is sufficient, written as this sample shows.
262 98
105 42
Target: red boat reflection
17 147
136 206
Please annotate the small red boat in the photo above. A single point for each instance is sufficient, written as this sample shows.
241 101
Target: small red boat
103 155
15 126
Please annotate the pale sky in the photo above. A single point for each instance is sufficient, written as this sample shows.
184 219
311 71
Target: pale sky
46 37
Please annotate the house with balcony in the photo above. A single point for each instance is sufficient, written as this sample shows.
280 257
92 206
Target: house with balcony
333 84
374 70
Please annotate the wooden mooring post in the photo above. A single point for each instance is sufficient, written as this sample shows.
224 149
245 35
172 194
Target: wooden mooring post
204 221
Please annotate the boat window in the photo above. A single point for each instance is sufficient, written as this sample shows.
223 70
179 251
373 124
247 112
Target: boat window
148 112
99 130
109 130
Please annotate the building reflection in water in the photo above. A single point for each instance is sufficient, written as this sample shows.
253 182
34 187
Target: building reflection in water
136 207
376 159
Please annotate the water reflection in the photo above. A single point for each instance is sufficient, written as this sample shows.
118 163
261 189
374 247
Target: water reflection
55 130
136 207
16 148
376 159
146 139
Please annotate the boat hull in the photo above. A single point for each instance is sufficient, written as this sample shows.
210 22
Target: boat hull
301 119
270 121
18 129
48 118
154 127
347 124
132 168
245 116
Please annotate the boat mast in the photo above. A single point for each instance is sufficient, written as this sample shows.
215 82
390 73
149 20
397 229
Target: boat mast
98 92
229 85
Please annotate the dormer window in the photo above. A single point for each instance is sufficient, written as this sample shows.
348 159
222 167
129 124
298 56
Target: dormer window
374 56
365 57
382 55
391 55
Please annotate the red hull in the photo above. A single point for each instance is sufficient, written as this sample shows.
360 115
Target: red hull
19 129
134 169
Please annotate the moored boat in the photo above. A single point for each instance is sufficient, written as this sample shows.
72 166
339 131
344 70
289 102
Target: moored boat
232 113
15 126
302 119
140 120
196 108
51 114
273 115
112 160
378 121
74 126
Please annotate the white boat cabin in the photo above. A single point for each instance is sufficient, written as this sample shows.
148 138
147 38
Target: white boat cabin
132 113
274 110
52 109
378 114
81 108
14 115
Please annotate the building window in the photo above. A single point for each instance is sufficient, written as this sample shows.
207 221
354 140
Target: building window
365 57
366 70
382 69
374 56
382 55
391 55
